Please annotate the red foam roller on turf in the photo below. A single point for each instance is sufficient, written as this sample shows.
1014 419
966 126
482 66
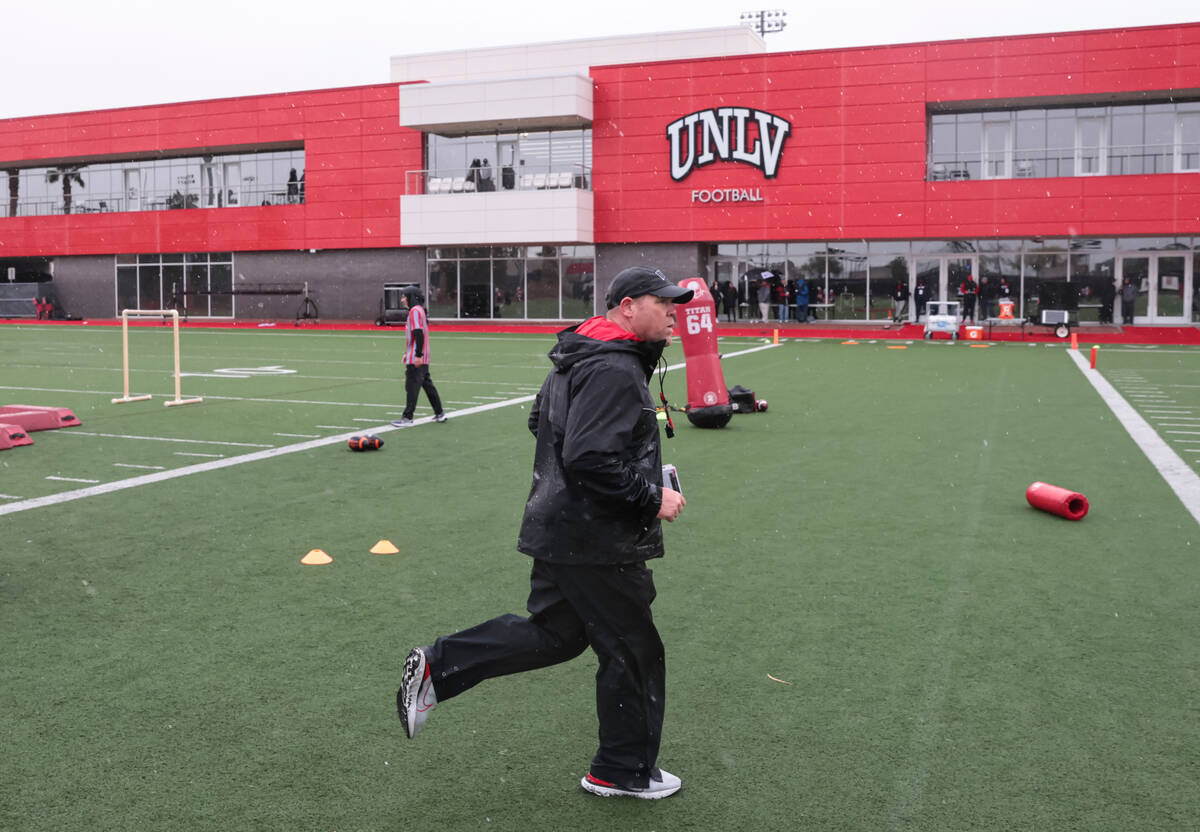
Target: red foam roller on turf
1061 501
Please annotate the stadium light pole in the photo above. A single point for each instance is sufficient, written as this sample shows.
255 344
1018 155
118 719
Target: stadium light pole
765 21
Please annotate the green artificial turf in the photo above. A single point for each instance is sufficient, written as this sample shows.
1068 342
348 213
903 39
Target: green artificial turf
949 657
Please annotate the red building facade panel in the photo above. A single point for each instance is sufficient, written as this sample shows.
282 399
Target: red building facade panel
854 163
355 158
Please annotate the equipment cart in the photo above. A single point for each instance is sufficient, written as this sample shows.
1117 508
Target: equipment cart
943 317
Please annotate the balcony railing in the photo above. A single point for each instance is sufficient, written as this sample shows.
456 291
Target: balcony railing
483 180
91 203
1119 160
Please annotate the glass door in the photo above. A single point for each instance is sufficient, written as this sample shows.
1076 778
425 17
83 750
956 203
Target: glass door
506 160
955 271
941 278
1171 289
723 270
1135 282
1163 285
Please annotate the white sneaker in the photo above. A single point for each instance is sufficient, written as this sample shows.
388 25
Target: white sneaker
662 784
416 696
402 422
440 417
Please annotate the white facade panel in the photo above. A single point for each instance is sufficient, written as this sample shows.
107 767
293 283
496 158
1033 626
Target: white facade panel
575 56
530 103
498 218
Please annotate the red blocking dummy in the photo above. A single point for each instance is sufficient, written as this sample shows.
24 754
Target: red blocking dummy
707 396
1069 504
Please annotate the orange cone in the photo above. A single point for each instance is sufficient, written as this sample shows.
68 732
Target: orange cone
316 557
384 547
1074 341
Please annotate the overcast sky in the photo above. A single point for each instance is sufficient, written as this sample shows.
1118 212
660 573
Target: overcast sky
68 55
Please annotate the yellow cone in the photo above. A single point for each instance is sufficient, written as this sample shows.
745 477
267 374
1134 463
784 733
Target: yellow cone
316 557
384 547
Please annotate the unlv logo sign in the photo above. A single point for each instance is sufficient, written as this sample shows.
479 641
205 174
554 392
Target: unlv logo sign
723 135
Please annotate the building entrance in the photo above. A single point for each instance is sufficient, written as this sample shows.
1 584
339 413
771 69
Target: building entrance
1164 287
943 274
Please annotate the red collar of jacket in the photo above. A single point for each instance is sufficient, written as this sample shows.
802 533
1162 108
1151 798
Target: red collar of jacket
601 328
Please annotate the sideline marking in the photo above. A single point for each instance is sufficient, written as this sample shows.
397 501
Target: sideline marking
270 453
167 439
1178 474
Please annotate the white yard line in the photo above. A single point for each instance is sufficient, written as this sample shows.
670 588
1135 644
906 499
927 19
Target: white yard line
10 497
69 479
142 467
207 456
72 431
269 453
1178 474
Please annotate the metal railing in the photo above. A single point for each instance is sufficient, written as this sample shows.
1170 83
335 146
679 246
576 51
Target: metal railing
93 203
483 180
1114 160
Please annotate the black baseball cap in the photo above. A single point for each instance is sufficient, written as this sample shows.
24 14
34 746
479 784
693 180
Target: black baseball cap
637 281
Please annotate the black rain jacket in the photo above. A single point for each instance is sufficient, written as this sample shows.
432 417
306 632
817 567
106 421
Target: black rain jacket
597 468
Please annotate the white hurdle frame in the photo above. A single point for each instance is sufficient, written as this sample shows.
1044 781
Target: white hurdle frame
173 314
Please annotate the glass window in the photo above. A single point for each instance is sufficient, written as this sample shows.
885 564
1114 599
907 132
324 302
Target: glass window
942 151
969 142
209 181
1187 155
1094 275
579 287
442 296
943 246
1091 150
196 297
848 287
997 146
511 161
1044 275
1154 243
149 287
507 277
1003 275
475 288
885 274
541 285
127 291
220 284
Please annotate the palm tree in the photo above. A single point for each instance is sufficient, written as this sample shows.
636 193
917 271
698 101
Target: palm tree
14 190
68 174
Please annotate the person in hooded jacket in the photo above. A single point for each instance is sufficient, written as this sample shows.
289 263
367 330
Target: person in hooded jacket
592 520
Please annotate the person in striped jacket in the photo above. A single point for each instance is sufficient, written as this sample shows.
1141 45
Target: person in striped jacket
416 362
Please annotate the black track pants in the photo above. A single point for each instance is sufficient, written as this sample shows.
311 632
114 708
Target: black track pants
572 608
416 379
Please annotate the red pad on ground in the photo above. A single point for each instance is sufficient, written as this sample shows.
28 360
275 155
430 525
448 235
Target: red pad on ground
1061 501
13 436
36 417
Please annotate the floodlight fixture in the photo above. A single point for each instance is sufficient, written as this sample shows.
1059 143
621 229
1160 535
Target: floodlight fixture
765 21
